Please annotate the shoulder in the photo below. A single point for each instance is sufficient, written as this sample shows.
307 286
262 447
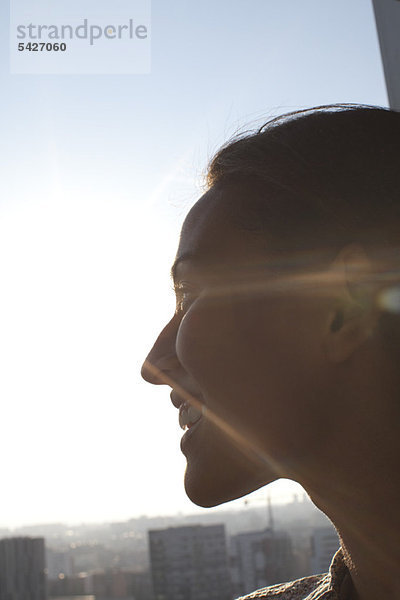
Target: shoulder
301 589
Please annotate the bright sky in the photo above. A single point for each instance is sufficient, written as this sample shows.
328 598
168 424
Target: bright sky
97 175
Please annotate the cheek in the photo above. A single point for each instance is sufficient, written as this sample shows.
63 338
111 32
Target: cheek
207 342
255 355
232 350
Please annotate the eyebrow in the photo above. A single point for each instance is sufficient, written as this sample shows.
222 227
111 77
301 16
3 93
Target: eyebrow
188 256
178 261
205 260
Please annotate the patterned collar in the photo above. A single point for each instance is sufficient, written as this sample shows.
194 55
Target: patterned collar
340 580
334 585
337 583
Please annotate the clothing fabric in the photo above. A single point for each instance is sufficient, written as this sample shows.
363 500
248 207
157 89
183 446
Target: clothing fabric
334 585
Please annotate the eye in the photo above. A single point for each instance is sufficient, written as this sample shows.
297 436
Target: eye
183 301
185 296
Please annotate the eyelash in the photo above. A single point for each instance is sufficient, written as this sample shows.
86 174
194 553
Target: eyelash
183 298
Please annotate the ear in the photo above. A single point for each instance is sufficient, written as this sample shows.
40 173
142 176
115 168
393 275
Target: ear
353 317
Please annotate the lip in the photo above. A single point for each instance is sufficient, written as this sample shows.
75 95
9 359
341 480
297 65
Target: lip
176 400
189 434
181 404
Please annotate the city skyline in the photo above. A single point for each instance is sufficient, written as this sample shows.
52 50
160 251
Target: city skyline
121 560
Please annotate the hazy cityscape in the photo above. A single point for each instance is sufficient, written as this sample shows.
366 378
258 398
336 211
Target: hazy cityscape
213 555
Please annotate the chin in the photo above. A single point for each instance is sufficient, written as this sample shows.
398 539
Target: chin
218 471
207 498
215 486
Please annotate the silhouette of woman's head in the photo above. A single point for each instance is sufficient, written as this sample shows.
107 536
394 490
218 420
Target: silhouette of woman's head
285 320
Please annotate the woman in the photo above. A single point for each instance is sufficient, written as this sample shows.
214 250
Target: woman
283 352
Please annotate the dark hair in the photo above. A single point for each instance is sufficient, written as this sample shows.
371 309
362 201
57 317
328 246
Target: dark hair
327 175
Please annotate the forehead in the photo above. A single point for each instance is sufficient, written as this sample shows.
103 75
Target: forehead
214 246
211 234
203 227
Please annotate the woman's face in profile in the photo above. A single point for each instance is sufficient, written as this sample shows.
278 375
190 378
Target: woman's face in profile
248 350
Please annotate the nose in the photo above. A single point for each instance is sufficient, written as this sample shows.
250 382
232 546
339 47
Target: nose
162 363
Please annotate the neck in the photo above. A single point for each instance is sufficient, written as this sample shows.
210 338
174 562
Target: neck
363 504
369 533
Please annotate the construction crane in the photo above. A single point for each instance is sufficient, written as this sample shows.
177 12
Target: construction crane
270 515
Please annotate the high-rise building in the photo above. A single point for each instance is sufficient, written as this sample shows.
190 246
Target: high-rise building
59 562
324 542
190 563
259 559
22 569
